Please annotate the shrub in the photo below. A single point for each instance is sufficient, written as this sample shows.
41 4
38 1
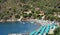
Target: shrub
57 31
17 16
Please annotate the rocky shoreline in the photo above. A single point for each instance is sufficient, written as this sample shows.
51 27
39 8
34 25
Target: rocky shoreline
9 20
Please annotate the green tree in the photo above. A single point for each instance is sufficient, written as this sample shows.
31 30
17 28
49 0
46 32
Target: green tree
25 15
37 12
57 31
17 16
30 14
58 19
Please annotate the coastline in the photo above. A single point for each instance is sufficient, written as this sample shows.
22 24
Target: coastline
40 22
11 20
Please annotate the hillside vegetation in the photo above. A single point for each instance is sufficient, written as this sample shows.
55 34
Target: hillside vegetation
18 8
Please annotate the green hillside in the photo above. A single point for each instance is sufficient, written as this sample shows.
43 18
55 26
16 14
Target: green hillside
9 8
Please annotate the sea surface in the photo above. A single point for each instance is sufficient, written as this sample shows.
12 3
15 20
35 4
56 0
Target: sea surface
17 27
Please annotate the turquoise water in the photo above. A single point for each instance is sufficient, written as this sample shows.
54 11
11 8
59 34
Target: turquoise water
17 27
